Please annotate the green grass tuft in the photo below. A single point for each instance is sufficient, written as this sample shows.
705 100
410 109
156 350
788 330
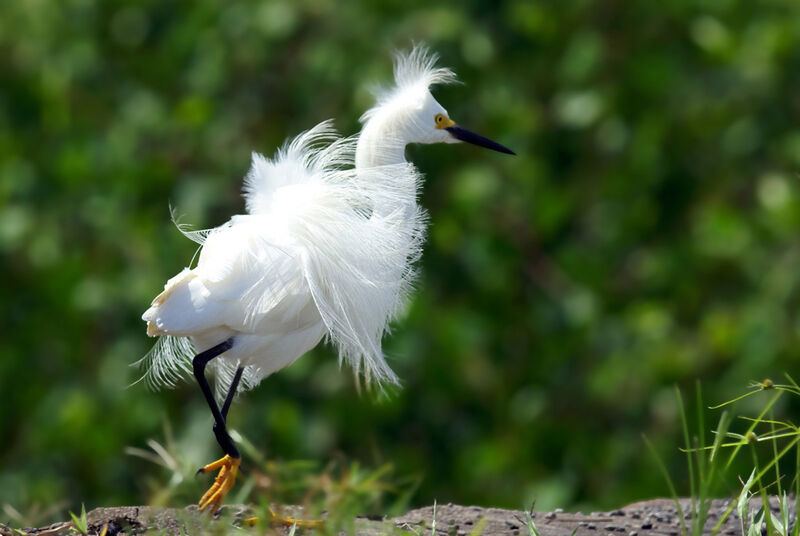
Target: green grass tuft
80 524
707 475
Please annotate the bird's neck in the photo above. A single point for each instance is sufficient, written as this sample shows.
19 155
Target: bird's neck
381 142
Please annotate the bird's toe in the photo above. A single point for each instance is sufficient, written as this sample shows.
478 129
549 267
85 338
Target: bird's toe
228 469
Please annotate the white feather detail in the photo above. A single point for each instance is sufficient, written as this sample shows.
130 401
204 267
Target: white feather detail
321 243
300 161
224 371
358 259
169 362
414 73
198 236
358 231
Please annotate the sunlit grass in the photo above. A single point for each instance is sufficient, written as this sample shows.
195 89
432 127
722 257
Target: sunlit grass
79 523
706 469
346 494
339 492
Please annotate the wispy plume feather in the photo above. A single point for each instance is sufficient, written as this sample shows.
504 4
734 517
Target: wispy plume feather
418 67
326 249
415 71
169 362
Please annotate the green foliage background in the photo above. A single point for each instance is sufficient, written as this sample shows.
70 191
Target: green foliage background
645 235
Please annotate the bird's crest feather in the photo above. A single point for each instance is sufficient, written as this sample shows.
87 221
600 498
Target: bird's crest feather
415 72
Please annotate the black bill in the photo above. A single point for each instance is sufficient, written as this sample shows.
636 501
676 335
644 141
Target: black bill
468 136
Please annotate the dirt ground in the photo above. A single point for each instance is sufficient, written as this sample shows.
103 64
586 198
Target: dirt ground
657 517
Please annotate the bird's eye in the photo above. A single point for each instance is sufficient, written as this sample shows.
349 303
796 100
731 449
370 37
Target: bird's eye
442 121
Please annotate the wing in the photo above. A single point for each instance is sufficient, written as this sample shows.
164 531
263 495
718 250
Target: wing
241 278
243 283
347 240
249 268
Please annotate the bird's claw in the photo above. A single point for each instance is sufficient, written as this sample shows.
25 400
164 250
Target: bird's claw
289 521
228 468
276 519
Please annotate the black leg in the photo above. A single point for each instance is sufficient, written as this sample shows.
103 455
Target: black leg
231 392
199 365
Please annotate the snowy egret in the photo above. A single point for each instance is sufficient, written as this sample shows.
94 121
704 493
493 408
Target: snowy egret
326 249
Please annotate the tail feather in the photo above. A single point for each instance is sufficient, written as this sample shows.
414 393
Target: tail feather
169 362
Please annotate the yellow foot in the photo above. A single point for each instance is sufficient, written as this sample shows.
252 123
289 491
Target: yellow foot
286 521
289 521
228 468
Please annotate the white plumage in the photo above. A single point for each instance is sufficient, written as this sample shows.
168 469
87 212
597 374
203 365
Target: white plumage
322 250
326 249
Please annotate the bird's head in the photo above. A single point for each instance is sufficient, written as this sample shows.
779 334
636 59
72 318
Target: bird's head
410 110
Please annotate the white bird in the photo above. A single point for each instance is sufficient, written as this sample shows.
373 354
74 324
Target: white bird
326 249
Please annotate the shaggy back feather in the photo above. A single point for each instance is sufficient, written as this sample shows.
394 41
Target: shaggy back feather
359 233
355 235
